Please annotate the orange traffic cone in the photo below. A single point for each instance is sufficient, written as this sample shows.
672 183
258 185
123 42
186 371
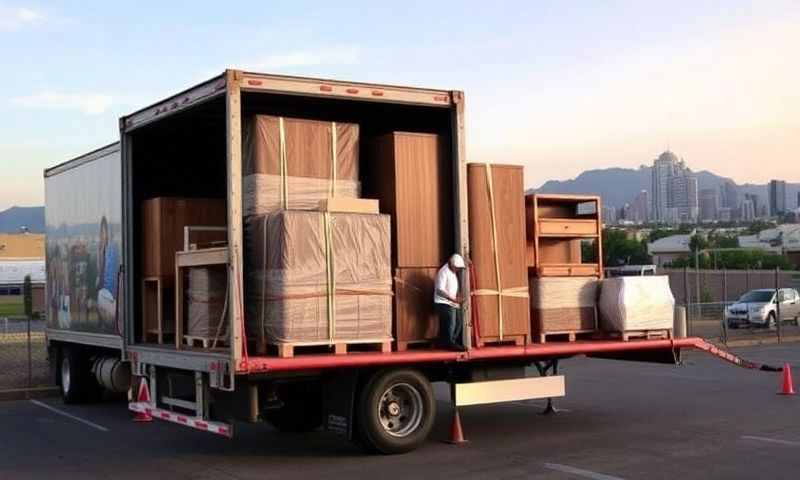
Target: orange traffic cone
787 387
143 397
456 434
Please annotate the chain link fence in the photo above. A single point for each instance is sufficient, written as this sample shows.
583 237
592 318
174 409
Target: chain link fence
708 294
23 355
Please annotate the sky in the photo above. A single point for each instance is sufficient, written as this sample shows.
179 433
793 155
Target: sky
560 87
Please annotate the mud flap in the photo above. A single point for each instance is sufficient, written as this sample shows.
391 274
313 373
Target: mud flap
338 402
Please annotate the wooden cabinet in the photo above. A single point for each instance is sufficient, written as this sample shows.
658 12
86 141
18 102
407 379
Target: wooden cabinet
162 232
564 235
410 174
497 245
416 319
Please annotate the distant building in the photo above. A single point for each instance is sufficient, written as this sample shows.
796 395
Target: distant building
674 190
729 195
22 255
609 215
663 169
777 197
684 197
668 249
748 210
641 207
709 204
725 214
798 200
756 205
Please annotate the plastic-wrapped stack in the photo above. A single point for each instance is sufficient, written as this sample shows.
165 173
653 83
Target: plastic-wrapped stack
636 304
319 278
563 305
205 295
293 163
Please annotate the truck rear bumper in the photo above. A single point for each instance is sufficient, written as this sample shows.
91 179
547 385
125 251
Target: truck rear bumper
220 428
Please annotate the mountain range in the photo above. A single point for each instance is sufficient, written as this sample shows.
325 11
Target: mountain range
618 186
13 219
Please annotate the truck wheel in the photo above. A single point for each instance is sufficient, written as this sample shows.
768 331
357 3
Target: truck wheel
301 410
75 376
395 411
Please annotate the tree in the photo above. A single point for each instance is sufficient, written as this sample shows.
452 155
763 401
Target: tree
27 296
618 249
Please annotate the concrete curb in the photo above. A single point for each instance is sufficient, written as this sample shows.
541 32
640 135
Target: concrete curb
754 342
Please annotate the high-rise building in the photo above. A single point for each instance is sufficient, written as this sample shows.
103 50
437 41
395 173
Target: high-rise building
674 190
683 197
724 214
752 198
663 169
709 204
748 209
641 207
609 215
728 195
798 199
777 197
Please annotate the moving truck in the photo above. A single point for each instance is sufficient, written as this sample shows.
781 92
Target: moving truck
190 146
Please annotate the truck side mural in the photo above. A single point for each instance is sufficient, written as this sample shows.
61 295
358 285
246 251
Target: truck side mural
84 244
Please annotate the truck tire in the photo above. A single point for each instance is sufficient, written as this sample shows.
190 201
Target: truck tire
75 377
395 411
301 410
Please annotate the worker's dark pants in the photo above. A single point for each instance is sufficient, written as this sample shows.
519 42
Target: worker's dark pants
449 325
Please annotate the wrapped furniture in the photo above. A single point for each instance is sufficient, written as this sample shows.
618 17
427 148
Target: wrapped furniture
637 306
206 296
293 163
415 318
319 278
563 306
497 245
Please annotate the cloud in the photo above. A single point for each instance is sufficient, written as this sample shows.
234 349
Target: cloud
15 18
336 55
88 103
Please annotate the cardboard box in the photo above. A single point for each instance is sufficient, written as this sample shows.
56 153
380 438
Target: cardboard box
563 305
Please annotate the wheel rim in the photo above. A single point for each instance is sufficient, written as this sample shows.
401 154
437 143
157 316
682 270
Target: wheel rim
65 376
400 410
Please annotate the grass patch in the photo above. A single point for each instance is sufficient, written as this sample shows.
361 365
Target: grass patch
12 309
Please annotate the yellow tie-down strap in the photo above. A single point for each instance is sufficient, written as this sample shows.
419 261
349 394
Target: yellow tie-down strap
283 165
331 276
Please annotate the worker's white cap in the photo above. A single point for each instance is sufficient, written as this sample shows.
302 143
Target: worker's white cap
457 261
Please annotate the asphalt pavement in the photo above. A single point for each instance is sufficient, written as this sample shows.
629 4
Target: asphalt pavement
706 419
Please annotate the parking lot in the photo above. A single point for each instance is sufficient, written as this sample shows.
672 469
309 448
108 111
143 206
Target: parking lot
619 420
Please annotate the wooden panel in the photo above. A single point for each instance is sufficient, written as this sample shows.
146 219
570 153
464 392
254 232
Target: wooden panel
569 270
349 205
415 316
411 176
567 227
508 189
163 219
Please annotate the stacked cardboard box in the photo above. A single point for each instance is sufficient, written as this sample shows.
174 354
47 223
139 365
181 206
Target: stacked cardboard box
319 278
410 173
293 163
497 244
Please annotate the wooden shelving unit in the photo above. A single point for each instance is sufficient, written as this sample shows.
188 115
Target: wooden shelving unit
556 227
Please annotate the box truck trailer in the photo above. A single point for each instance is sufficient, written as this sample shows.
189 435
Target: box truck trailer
108 321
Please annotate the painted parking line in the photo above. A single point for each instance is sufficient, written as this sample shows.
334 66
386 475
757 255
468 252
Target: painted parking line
771 440
70 416
579 472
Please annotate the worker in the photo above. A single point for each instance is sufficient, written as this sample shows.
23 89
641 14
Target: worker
448 299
